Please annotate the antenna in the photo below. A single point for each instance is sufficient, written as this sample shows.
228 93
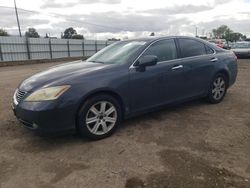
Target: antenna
18 24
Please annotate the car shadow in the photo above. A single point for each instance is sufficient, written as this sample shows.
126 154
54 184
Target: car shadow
157 113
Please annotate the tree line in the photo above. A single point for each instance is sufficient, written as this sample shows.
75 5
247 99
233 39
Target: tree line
69 33
222 32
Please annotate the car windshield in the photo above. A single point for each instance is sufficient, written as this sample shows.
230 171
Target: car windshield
241 45
117 53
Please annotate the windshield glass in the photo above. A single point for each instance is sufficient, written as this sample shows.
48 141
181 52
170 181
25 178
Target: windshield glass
117 53
242 45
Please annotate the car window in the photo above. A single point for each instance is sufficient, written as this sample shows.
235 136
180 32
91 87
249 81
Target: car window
164 50
209 50
190 47
117 53
242 45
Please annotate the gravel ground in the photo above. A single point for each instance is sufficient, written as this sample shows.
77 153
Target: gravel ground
191 145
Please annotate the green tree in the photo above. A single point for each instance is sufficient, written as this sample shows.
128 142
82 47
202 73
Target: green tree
3 32
152 34
114 39
68 33
222 31
233 37
77 36
32 33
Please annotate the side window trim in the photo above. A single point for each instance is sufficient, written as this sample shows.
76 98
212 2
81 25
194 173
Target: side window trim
179 55
176 40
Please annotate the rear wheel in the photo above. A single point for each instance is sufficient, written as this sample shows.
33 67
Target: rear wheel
218 89
99 117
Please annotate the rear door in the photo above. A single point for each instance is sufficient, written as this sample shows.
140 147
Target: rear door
198 60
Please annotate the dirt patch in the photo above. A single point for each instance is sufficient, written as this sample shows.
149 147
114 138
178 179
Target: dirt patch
186 170
7 168
61 170
248 124
134 182
248 169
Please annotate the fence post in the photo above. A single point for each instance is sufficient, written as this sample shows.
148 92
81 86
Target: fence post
50 49
68 48
83 52
28 47
106 43
95 46
1 53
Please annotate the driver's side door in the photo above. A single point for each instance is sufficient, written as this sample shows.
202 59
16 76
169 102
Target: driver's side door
147 88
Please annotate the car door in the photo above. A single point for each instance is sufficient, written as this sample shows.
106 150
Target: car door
154 86
198 60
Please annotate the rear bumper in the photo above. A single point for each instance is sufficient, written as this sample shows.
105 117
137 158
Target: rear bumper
45 118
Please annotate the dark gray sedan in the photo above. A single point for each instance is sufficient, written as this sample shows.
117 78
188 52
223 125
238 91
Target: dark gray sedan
124 79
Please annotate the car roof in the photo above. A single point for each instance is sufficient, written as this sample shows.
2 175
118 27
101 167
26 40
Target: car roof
152 38
242 42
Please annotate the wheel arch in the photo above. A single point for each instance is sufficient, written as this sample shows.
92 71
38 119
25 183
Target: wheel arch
224 72
99 92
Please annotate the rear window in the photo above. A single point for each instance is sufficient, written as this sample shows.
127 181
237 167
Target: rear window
190 48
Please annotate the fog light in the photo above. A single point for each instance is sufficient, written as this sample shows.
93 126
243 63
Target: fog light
35 126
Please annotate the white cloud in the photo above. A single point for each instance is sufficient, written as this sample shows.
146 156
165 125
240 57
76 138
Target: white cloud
131 18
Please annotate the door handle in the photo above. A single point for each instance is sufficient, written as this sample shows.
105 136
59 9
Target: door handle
177 67
214 59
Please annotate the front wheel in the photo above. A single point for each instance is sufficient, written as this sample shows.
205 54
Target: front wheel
99 117
218 89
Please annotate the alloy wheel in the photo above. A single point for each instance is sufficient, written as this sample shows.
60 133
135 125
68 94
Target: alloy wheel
219 88
101 117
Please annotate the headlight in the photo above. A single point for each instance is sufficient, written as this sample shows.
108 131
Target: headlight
46 94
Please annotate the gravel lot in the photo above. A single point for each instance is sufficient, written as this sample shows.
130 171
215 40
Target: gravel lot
191 145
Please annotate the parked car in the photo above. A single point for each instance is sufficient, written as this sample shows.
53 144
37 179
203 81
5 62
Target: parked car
241 49
125 79
222 43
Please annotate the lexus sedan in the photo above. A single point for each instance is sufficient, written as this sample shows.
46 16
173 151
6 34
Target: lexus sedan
125 79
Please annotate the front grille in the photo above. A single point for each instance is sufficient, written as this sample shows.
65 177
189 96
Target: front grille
19 95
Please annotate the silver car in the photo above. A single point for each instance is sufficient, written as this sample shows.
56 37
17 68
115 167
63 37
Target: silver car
241 49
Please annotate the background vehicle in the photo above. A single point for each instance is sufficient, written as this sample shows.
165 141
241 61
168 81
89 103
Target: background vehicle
222 43
241 49
123 80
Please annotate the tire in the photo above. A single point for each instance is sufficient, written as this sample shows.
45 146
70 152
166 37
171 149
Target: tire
219 85
99 117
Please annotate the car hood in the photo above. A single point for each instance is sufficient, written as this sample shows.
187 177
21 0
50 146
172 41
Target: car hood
60 74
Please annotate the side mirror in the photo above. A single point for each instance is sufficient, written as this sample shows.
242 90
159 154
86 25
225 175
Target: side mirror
147 60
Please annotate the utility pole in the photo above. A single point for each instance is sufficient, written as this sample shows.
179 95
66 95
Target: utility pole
18 24
196 31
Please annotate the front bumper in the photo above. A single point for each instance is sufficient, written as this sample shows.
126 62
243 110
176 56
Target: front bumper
46 117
